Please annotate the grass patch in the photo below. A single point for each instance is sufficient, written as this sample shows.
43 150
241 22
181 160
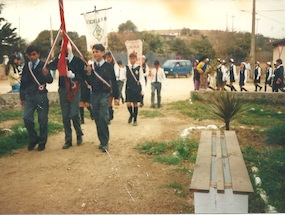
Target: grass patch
150 113
178 188
18 137
10 115
172 153
271 165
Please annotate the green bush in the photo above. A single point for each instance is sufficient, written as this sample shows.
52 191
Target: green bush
276 135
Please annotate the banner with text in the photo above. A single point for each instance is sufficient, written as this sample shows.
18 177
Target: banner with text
134 46
97 28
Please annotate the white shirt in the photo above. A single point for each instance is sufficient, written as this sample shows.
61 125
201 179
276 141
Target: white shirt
160 75
141 76
120 73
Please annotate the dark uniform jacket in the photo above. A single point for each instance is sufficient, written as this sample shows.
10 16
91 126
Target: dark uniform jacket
29 86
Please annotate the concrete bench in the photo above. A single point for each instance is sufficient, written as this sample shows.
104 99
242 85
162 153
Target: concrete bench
220 181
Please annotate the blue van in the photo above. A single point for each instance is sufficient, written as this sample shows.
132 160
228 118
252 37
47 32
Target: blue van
177 68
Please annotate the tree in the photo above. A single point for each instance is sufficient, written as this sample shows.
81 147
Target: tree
43 42
9 39
151 42
128 26
226 106
203 47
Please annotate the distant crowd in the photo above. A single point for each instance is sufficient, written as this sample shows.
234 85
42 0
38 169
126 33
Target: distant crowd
226 75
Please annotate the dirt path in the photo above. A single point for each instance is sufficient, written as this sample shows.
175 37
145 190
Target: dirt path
83 179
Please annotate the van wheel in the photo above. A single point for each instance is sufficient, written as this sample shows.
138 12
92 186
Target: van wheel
176 75
188 75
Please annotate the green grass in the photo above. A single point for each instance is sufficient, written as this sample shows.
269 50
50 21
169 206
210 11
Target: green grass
150 113
18 137
10 115
172 153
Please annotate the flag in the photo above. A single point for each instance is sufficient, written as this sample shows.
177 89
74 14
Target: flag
96 28
135 46
61 66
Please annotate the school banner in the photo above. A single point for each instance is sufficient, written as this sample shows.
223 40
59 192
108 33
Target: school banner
96 28
134 46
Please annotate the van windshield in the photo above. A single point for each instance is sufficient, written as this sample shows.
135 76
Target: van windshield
168 64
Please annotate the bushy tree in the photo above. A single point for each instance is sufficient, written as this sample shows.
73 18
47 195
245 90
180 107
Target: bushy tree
9 40
128 26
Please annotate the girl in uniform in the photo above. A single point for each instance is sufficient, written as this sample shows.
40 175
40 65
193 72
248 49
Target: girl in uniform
242 76
268 76
135 86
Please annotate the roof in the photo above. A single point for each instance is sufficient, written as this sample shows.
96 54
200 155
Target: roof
278 42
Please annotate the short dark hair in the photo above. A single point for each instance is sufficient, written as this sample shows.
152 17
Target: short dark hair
31 49
119 62
99 47
156 63
279 61
108 54
132 55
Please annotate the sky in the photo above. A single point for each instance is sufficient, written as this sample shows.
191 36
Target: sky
30 17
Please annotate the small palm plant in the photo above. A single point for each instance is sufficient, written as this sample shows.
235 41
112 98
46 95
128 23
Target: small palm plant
226 106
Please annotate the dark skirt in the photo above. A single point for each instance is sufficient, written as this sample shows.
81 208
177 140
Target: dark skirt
268 81
133 93
85 93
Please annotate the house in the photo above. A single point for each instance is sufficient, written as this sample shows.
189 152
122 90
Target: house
278 51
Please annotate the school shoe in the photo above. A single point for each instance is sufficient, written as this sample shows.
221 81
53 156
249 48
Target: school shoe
260 88
135 123
32 145
130 119
100 146
104 148
79 140
67 145
41 147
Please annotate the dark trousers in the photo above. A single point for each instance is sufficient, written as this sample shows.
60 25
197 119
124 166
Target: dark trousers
39 103
156 86
100 107
70 112
120 87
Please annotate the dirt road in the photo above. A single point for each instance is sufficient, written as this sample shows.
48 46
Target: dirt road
82 179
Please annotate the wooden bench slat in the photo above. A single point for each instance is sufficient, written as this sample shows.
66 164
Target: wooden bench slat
202 173
219 164
240 179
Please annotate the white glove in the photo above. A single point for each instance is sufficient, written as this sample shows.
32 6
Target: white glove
70 74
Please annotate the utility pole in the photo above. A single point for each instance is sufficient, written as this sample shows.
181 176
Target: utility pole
252 45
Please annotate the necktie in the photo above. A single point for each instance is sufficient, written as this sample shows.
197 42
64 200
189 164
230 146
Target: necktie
156 76
33 65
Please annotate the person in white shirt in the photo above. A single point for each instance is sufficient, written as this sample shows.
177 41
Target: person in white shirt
157 79
225 74
120 74
248 69
145 68
232 74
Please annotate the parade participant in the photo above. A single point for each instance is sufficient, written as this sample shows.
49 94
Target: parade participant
248 69
145 68
101 77
196 76
268 77
33 95
135 87
13 73
219 75
232 74
70 105
203 69
225 74
120 77
109 59
157 79
85 100
278 76
242 76
257 76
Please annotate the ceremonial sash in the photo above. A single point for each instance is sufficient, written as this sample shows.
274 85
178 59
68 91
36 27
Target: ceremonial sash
41 87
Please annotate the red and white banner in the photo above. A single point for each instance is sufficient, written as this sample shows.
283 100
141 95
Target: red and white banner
134 46
96 28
